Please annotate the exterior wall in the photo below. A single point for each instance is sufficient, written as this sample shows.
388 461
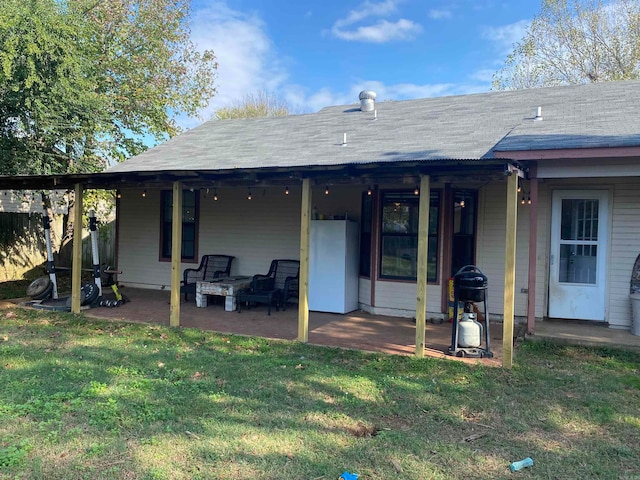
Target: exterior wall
254 231
625 247
364 293
624 240
398 298
491 243
268 227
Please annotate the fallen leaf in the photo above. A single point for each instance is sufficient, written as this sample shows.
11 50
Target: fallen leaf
397 466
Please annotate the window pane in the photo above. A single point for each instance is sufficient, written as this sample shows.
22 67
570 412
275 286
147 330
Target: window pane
399 236
399 256
365 234
189 222
399 215
579 220
578 264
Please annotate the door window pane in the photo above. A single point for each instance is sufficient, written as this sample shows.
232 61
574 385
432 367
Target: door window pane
578 263
579 219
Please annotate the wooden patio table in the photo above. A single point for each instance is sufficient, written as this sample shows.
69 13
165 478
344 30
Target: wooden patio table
225 286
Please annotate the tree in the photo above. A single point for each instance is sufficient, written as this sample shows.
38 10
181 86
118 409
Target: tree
575 42
84 83
260 104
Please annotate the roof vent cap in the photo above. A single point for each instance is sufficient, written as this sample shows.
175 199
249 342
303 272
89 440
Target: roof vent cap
367 100
538 117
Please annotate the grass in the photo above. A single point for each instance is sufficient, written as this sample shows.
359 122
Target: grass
84 399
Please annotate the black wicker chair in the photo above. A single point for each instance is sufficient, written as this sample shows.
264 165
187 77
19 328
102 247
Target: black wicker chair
262 290
211 266
279 284
286 275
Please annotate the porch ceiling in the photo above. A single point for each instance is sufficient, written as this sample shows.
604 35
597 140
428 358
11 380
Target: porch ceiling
402 172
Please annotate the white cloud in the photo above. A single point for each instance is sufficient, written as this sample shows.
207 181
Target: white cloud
248 61
440 14
507 35
365 10
246 56
483 75
381 31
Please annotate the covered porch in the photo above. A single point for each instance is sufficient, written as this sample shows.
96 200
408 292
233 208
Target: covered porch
167 273
356 330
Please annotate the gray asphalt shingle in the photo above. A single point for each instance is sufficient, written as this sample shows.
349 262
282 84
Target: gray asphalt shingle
470 127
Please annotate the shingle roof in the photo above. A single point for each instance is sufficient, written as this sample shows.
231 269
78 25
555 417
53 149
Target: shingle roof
469 127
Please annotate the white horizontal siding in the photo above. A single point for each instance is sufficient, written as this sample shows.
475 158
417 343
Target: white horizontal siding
543 238
364 292
625 247
491 243
254 231
400 298
139 241
580 168
624 244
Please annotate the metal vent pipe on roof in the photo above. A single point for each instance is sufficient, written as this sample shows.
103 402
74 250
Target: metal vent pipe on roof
367 100
538 116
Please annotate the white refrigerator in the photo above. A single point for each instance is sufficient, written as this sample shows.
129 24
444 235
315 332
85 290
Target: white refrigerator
333 266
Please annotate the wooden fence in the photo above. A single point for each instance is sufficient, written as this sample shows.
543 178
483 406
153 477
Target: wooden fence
23 251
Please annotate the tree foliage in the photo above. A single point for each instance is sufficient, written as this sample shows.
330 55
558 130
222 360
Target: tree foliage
260 104
575 42
86 82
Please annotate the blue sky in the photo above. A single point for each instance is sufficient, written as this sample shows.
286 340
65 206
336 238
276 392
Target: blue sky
320 53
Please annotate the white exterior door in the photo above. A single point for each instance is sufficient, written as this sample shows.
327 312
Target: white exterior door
579 232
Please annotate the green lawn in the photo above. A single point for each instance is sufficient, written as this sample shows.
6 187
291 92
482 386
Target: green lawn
83 399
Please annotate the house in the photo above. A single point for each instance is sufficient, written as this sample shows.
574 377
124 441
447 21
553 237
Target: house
538 188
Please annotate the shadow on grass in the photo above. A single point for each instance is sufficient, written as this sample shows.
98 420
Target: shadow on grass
182 400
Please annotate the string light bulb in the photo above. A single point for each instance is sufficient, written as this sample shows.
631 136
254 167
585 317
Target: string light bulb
326 190
144 193
416 191
249 196
215 195
286 190
118 194
369 191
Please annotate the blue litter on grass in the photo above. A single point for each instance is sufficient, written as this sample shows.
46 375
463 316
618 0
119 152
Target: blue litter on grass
349 476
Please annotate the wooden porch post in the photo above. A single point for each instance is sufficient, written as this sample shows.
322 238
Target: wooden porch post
510 270
76 263
533 249
176 254
303 290
423 245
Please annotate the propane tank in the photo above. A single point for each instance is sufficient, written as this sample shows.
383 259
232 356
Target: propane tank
469 331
